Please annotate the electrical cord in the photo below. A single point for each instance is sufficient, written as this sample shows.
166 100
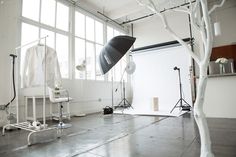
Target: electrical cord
13 81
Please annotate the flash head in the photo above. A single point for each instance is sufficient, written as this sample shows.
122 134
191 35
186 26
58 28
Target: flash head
176 68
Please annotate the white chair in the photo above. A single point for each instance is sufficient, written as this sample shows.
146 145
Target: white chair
60 97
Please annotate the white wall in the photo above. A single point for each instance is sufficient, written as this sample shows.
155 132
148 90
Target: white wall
91 96
226 17
220 97
88 97
151 31
8 31
220 92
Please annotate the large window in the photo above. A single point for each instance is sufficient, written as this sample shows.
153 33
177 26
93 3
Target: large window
48 8
28 33
88 44
31 12
47 17
83 40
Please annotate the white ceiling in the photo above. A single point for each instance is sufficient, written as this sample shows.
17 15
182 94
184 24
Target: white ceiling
124 10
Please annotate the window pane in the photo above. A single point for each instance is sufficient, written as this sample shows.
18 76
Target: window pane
50 39
79 57
48 12
99 32
30 9
29 33
90 61
124 63
62 16
89 28
110 74
117 71
116 33
62 53
79 24
99 75
109 33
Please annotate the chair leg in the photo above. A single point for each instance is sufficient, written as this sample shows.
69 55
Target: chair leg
68 110
62 125
60 118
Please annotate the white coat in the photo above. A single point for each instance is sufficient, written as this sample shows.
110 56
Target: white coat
34 65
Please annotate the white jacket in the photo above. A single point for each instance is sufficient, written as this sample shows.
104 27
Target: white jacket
34 65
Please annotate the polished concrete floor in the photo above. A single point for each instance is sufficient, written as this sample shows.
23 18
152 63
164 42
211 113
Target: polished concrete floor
123 136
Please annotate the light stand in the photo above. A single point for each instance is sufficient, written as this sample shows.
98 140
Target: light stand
129 69
112 93
124 102
185 107
112 52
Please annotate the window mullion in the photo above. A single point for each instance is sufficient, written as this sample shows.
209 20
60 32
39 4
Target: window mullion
104 41
40 9
94 47
55 22
55 36
85 47
72 41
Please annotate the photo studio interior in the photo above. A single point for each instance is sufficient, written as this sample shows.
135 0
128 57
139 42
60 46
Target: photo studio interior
127 78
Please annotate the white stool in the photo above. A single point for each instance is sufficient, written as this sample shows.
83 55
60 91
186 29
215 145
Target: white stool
57 97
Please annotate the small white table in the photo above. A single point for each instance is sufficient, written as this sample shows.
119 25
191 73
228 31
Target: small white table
34 97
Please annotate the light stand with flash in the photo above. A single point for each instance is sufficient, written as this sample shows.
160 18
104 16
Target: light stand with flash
112 52
129 69
185 107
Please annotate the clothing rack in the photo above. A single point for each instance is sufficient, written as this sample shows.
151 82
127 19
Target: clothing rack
25 125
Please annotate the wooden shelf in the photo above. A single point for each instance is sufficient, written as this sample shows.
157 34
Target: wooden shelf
228 51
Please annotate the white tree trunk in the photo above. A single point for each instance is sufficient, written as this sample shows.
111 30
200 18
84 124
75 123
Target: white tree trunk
200 116
198 106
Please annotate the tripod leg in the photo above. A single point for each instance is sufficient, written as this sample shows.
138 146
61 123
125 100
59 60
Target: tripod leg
129 105
186 102
175 105
120 103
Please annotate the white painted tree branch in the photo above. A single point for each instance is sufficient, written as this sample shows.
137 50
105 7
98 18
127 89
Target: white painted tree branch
216 6
205 30
151 6
193 13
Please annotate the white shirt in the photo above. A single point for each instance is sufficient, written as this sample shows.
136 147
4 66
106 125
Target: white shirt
34 65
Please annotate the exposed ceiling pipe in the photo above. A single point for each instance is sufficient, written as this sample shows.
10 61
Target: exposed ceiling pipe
142 17
75 3
139 18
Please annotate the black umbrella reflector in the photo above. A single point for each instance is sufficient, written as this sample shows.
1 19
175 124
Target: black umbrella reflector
113 51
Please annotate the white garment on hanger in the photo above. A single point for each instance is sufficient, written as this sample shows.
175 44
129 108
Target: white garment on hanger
34 65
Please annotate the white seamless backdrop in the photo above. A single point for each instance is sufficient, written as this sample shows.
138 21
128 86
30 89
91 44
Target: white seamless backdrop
155 77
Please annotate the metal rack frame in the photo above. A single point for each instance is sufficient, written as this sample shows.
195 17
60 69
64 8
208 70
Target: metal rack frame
25 125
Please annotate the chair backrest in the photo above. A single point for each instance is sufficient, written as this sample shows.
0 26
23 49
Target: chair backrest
51 94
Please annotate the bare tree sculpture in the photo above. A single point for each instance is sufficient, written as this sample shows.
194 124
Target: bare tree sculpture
200 20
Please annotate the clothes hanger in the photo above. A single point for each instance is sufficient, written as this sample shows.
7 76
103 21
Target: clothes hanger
40 44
